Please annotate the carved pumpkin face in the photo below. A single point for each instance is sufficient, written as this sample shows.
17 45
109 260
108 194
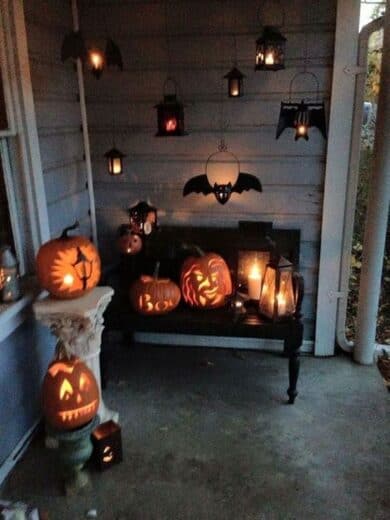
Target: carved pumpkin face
108 454
67 266
149 295
130 244
70 394
205 281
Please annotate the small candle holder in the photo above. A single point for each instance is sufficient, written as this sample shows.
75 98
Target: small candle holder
9 276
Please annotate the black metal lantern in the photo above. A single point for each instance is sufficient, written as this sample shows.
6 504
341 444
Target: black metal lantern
235 82
96 61
270 49
277 296
107 442
143 218
170 114
114 161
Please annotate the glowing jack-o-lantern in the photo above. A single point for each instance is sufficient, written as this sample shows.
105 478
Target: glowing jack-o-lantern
107 441
151 295
129 243
205 281
70 394
68 266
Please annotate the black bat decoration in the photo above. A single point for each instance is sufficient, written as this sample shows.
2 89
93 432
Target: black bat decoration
292 115
73 46
222 192
113 54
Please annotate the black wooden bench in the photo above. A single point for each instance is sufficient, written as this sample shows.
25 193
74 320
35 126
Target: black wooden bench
166 246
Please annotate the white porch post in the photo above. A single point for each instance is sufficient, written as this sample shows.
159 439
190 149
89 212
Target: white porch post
377 214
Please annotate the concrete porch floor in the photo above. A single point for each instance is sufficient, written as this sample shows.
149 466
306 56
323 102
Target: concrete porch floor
206 436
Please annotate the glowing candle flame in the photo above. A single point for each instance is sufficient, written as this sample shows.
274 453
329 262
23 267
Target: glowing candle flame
254 282
301 129
269 58
171 124
68 279
96 60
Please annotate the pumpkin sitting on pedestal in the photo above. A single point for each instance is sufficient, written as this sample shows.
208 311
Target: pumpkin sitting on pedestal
68 266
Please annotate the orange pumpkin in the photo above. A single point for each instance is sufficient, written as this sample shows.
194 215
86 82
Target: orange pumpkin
205 281
68 266
70 394
151 295
129 243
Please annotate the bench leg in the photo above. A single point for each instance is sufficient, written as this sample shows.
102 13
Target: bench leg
292 347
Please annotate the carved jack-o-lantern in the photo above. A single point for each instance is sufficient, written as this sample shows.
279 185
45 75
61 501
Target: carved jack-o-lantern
205 281
68 266
70 394
151 295
129 243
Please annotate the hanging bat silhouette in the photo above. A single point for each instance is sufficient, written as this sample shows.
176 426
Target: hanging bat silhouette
222 192
73 46
301 116
113 54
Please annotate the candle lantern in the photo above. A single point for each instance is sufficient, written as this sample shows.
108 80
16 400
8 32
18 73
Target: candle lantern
9 276
235 82
114 161
170 114
96 61
277 298
143 218
107 441
270 49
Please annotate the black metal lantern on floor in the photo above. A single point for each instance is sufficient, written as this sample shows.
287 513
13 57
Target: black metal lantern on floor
278 296
270 49
235 82
170 114
114 161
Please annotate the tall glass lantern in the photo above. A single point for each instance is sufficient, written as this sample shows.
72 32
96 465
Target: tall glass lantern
277 299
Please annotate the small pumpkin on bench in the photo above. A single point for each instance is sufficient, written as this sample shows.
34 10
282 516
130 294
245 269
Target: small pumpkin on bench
151 295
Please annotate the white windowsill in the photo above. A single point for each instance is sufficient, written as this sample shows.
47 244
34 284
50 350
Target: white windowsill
14 314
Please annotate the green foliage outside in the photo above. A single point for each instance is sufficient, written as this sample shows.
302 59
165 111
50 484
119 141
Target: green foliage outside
366 161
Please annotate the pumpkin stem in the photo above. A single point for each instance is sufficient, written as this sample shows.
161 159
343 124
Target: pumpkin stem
156 270
194 248
65 232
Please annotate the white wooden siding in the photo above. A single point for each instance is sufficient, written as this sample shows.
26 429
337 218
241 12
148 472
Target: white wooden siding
201 49
58 115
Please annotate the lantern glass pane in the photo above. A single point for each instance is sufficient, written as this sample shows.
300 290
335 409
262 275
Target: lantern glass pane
267 296
116 166
234 87
285 297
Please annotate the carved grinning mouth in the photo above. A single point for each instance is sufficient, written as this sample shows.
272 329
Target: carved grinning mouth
71 415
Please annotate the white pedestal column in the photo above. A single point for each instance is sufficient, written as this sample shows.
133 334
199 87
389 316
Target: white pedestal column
78 324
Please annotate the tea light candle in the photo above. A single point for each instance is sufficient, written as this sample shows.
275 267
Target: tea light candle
254 282
269 58
281 304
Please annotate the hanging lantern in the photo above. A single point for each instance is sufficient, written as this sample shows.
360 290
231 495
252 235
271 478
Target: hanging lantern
277 299
235 82
114 161
170 114
270 49
96 61
143 218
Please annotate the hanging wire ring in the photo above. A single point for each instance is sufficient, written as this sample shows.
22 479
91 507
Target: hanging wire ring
222 148
283 13
305 72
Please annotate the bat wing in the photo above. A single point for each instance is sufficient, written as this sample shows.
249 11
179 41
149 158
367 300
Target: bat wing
246 181
198 184
317 118
286 117
73 46
113 54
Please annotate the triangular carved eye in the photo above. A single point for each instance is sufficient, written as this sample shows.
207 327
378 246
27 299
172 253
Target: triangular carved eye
66 390
84 382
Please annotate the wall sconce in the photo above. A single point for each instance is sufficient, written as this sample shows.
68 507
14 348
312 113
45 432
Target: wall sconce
270 47
277 295
107 441
302 116
235 83
143 218
170 114
114 161
96 61
9 276
222 192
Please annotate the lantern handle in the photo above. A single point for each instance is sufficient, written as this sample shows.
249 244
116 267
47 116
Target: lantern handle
166 82
299 289
283 13
300 74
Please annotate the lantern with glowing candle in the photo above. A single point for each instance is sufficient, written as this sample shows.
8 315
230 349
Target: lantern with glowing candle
9 276
114 161
254 282
170 114
107 442
270 49
96 61
277 296
235 82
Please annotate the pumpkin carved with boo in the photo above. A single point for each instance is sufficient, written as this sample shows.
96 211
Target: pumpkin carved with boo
68 266
205 280
70 394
